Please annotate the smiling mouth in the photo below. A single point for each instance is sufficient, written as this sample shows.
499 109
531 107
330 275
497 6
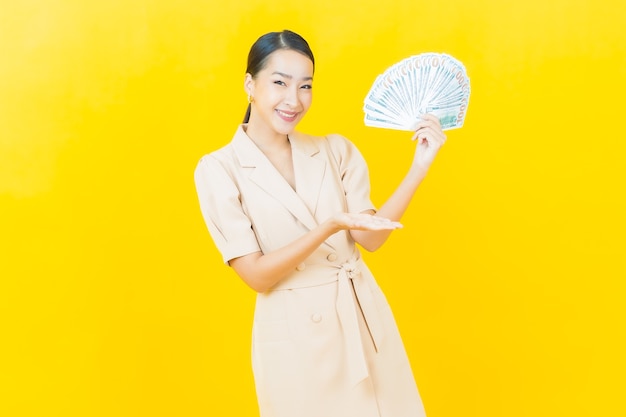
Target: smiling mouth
289 116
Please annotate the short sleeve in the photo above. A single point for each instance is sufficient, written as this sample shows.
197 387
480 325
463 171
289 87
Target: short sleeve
354 173
222 211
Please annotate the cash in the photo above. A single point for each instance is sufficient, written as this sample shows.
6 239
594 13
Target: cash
434 83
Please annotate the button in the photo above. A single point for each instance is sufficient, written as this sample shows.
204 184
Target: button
316 317
332 257
300 267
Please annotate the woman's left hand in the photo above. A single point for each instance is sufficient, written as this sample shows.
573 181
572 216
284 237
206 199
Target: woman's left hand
430 138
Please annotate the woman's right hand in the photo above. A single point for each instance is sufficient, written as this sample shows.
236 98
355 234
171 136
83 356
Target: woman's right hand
262 271
363 221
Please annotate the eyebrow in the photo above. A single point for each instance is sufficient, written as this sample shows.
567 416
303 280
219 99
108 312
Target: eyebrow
282 74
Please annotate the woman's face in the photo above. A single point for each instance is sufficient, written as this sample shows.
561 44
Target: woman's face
281 92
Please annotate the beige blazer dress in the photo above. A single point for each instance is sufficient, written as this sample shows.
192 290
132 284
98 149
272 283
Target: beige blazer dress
324 343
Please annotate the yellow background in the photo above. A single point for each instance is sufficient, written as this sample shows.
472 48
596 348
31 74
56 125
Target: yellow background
507 280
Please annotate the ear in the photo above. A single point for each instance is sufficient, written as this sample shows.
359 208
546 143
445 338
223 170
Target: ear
248 84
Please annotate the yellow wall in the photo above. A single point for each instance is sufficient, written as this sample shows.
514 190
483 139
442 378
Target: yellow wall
507 280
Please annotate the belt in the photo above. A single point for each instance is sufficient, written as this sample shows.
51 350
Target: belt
349 277
354 295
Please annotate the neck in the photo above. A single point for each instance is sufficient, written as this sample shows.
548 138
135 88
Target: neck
266 139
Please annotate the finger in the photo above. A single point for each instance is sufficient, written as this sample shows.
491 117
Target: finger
380 226
377 223
431 136
431 117
423 130
386 227
428 124
434 126
385 222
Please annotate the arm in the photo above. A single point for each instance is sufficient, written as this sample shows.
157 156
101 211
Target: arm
262 271
430 138
232 231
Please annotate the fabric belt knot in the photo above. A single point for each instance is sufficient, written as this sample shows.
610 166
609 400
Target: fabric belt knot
354 296
351 269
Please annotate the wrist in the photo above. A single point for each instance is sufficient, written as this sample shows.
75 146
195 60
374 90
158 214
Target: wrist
330 227
417 172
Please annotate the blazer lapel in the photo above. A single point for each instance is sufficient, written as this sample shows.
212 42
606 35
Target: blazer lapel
263 173
309 171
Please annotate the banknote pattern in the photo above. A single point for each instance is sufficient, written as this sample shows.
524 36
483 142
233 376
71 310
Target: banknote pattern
433 83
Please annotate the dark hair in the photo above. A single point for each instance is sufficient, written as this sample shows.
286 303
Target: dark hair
271 42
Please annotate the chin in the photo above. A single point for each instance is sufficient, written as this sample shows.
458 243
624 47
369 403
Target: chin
286 128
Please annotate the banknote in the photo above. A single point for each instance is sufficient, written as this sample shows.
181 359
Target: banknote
434 83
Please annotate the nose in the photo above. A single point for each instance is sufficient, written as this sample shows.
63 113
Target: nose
291 97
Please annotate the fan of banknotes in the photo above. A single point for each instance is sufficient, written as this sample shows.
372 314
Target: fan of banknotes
433 83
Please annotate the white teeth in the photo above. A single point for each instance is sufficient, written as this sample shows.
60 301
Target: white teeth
287 115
